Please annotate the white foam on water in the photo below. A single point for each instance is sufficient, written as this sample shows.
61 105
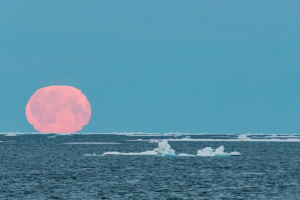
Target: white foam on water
91 154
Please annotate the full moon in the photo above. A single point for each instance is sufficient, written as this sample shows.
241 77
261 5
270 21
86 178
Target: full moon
58 109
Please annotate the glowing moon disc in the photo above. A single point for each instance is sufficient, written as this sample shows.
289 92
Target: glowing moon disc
58 109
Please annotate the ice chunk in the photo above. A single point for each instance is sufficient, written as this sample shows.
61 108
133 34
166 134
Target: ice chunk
164 149
11 134
208 151
220 151
235 153
243 137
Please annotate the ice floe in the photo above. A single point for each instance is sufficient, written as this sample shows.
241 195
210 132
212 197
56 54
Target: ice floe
150 153
208 151
243 137
164 149
11 134
184 154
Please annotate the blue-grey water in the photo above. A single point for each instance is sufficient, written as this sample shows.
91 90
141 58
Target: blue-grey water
38 167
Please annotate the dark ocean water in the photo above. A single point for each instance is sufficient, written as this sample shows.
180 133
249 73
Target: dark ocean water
37 167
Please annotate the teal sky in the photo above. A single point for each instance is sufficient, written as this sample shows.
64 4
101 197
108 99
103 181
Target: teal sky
156 66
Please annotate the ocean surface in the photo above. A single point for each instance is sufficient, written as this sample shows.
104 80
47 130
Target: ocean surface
37 167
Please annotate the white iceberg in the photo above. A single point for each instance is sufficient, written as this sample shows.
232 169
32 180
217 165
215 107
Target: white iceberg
164 149
208 151
243 137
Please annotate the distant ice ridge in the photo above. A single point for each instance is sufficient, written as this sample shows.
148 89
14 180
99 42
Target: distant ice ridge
208 151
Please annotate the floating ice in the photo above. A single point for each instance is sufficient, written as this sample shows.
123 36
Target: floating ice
184 154
150 153
164 149
11 134
243 137
235 153
208 151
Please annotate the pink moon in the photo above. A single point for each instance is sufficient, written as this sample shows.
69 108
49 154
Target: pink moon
58 109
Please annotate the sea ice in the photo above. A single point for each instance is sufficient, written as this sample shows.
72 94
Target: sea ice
235 153
184 154
131 154
243 137
11 134
164 149
208 151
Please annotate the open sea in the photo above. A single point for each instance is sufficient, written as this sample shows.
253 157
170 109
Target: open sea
37 167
